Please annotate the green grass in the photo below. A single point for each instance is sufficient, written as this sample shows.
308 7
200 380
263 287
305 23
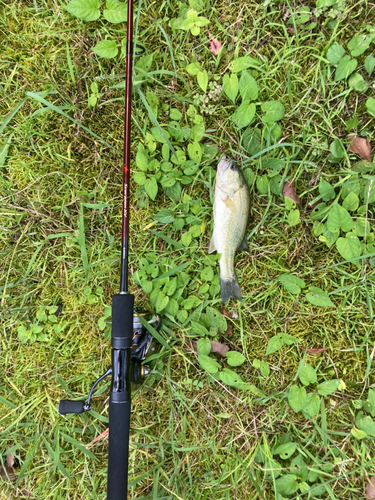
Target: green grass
193 437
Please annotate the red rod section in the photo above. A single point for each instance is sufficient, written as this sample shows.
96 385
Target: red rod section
126 163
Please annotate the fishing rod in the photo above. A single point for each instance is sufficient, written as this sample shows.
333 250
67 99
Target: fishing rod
130 339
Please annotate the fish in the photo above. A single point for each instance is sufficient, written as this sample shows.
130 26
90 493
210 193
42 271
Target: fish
231 213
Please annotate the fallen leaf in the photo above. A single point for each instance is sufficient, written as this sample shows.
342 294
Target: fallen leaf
314 350
370 489
289 191
360 146
215 45
8 471
226 313
219 348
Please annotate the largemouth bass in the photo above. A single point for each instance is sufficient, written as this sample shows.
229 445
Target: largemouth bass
231 213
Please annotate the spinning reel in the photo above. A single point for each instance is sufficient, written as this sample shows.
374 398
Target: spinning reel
141 346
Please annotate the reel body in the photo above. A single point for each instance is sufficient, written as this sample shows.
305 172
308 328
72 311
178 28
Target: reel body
141 345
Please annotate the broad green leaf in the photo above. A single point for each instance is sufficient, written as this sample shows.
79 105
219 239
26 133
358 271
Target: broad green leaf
362 227
186 239
351 202
274 111
297 398
264 368
349 247
172 307
339 218
312 405
307 374
230 86
328 387
357 82
252 141
294 217
106 48
320 211
318 297
88 10
291 283
208 364
235 358
370 403
365 424
202 78
174 114
287 484
274 344
151 187
116 12
288 339
300 16
229 377
370 105
345 68
262 184
193 68
242 63
359 44
244 114
337 149
207 274
195 151
369 64
358 434
335 53
248 86
197 329
285 450
161 302
329 236
164 216
204 346
351 186
326 191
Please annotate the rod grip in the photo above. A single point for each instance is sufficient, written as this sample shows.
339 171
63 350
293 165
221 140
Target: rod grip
67 406
122 320
118 450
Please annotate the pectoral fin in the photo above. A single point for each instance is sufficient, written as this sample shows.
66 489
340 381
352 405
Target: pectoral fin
212 247
229 203
243 246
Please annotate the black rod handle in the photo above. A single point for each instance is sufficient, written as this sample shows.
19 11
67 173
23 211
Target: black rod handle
118 450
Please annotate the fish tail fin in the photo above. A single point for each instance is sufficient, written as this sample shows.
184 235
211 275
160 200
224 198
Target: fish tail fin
230 288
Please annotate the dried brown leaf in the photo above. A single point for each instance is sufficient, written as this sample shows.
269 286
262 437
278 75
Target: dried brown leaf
360 146
289 191
215 45
8 471
217 347
229 330
370 489
221 349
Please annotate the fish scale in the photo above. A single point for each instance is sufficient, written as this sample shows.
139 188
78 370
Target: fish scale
231 213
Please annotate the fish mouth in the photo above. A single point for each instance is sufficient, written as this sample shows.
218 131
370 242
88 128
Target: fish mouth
224 164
